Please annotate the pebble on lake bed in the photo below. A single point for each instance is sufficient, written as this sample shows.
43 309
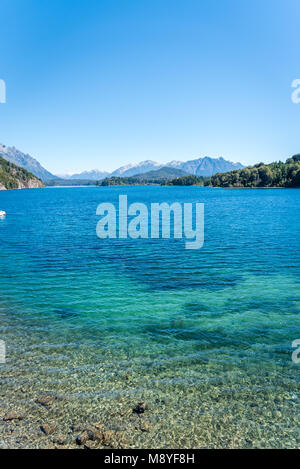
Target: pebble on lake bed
145 427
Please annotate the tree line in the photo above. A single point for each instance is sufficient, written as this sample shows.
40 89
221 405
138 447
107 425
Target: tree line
276 174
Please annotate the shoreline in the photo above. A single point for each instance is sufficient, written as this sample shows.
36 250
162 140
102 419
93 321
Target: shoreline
163 185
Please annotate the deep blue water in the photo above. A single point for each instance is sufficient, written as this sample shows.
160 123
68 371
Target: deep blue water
203 324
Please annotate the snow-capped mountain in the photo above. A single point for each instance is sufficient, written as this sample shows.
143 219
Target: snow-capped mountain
200 167
206 166
93 175
132 169
25 161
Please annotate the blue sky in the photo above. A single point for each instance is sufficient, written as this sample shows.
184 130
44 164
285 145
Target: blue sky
100 83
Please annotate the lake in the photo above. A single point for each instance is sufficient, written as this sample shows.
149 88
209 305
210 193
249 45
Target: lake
203 337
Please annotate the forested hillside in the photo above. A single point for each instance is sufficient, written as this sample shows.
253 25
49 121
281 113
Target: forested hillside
14 177
260 175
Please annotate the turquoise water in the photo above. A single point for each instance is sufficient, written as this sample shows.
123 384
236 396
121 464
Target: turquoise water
204 336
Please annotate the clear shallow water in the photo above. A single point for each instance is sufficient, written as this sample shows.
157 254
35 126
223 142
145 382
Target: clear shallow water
204 337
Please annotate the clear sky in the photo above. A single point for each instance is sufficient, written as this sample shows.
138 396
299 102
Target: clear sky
101 83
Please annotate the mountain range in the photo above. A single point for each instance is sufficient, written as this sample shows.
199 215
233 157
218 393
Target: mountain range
199 167
205 166
93 175
25 161
156 176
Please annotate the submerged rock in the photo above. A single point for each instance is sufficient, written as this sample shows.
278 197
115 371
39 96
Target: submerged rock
145 427
48 429
13 415
82 438
91 445
140 408
108 438
92 437
60 439
90 434
45 401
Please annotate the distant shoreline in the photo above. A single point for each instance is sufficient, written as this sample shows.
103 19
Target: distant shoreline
161 185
